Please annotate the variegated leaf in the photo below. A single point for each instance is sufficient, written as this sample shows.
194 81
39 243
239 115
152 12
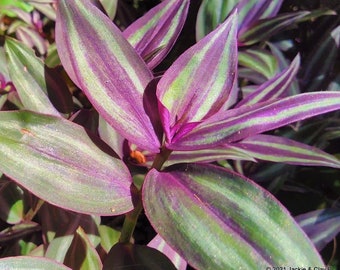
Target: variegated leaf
245 121
280 149
228 220
57 161
201 82
274 88
105 66
154 34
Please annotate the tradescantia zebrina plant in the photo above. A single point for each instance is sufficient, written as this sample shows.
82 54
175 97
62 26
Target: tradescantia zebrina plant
212 217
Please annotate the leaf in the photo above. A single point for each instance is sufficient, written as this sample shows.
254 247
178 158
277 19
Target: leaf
36 263
11 203
201 82
154 34
31 38
225 218
52 59
21 4
110 7
81 254
110 136
104 65
214 12
59 163
134 257
265 28
222 152
45 8
283 63
252 11
320 225
258 60
108 236
321 61
280 149
275 87
211 13
18 231
158 243
27 73
246 121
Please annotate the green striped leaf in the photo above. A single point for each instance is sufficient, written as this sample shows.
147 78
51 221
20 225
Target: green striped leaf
154 34
274 88
228 220
263 29
280 149
201 82
104 65
258 60
245 121
322 226
57 161
28 75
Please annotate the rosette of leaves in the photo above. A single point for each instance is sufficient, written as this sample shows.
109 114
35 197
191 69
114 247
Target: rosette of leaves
205 215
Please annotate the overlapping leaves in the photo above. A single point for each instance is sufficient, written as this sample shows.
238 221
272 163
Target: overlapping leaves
194 208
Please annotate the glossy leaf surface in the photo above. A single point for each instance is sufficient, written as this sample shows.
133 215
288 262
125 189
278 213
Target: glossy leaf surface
258 60
245 121
275 87
214 12
65 167
154 34
280 149
227 219
103 64
201 82
267 27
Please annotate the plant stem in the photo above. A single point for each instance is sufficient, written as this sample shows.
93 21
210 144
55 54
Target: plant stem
32 212
132 217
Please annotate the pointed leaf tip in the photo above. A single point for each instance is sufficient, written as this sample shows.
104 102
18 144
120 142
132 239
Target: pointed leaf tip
201 81
103 64
154 34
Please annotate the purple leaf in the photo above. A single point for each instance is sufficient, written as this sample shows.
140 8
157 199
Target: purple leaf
158 243
258 60
246 121
263 29
201 82
223 152
274 88
214 12
228 220
251 11
154 34
32 38
321 226
103 64
280 149
59 163
40 89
